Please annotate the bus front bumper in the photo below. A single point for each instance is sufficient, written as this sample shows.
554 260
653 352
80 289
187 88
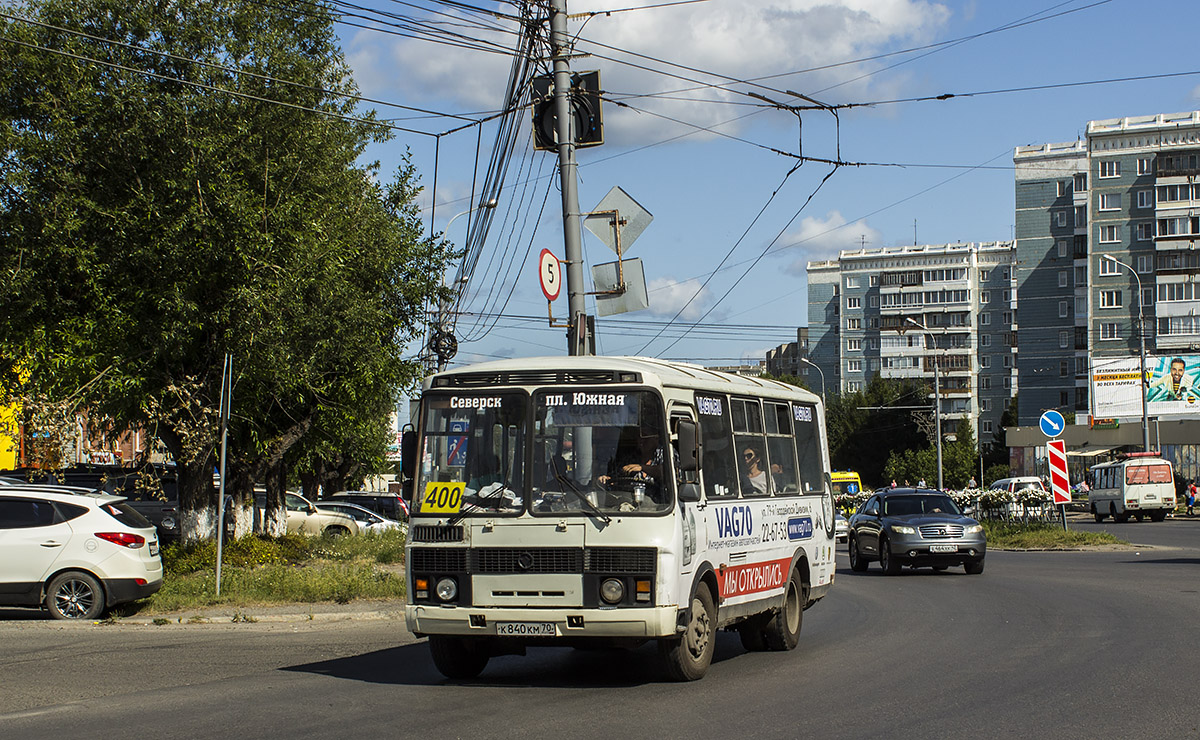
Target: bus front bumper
544 624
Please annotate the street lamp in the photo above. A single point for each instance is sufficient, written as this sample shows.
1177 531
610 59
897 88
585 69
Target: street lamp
807 361
1142 351
441 341
937 395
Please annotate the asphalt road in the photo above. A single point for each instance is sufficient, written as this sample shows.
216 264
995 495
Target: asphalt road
1063 645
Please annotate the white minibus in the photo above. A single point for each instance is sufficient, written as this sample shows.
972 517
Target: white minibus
1141 484
614 501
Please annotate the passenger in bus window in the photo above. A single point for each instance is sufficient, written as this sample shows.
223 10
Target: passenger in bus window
754 479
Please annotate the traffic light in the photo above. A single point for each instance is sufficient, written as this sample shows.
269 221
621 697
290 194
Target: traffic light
585 106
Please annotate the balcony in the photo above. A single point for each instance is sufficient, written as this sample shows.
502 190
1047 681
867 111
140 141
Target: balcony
1177 164
902 279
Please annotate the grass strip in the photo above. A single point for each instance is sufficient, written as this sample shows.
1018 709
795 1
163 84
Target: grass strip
1042 536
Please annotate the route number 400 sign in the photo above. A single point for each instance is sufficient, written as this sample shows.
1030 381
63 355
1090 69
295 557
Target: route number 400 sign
442 498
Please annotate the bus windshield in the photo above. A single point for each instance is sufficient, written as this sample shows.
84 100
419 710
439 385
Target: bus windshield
473 454
599 452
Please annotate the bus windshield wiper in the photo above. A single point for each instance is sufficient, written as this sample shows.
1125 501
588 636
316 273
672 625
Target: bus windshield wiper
583 499
483 502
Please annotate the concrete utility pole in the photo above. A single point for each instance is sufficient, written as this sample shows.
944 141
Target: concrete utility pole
565 124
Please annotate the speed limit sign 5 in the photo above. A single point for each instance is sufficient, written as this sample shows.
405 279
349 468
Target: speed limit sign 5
550 274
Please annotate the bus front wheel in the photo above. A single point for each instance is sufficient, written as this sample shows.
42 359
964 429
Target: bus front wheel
458 657
688 656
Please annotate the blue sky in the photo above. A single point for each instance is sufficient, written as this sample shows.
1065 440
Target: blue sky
706 189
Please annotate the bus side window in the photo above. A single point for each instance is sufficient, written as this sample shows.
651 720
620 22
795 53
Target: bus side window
719 466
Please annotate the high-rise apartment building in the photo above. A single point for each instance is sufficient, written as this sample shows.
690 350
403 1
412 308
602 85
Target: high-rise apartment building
866 310
1131 191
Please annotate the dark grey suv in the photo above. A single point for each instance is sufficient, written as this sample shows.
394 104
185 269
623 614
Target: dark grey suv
916 527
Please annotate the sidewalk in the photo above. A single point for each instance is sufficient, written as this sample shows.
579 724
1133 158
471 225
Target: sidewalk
358 610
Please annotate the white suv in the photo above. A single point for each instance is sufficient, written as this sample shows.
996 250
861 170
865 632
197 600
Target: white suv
75 552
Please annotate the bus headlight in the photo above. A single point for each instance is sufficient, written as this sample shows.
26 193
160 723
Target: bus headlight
447 589
612 591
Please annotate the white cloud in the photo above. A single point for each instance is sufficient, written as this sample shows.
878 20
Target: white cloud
667 297
822 238
739 40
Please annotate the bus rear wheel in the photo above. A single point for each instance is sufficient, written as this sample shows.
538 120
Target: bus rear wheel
751 631
1158 516
783 631
1097 515
688 656
458 657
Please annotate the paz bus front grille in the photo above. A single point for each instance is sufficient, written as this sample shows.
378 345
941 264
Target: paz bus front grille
558 560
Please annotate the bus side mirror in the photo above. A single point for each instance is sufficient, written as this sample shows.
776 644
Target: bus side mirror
408 463
689 493
689 449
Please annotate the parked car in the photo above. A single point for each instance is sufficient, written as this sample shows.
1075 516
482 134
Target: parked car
387 505
305 518
368 521
917 527
74 552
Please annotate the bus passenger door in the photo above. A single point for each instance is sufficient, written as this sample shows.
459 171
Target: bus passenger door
692 510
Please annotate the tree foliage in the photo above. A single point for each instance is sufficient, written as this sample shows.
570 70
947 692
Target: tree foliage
154 222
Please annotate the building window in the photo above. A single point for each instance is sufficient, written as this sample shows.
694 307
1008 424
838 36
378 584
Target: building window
1110 201
1007 383
985 382
1064 339
1063 311
1110 299
1080 216
985 404
1080 275
854 386
854 345
873 365
1060 219
985 296
873 342
1080 182
986 426
1063 278
1109 331
1064 187
985 319
873 322
1062 398
1008 362
1144 263
1081 365
1110 233
983 275
1108 267
1005 296
1147 296
985 361
1007 316
1080 304
985 340
874 280
873 301
1064 368
854 366
1063 248
1145 166
853 323
1110 168
1007 274
853 303
1144 232
1145 199
851 282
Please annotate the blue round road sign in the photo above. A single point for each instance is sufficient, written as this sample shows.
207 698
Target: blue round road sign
1052 423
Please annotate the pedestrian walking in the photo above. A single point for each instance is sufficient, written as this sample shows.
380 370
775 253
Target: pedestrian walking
1191 497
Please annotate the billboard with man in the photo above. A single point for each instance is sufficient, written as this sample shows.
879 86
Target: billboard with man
1172 386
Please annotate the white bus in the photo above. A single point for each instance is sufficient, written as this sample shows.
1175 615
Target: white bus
614 501
1141 484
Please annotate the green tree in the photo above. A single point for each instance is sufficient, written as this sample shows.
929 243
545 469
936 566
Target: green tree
154 222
